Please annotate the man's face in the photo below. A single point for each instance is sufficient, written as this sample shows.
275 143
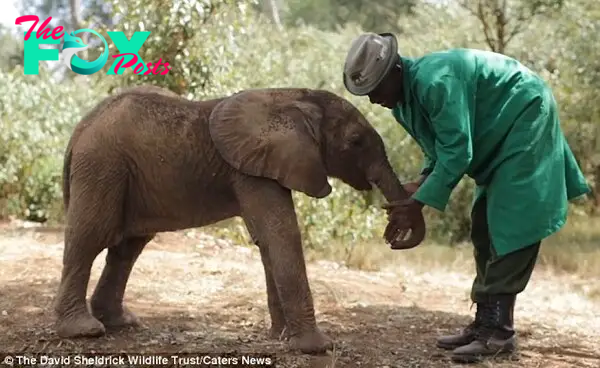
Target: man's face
389 91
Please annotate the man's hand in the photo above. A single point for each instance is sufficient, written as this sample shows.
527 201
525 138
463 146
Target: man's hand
403 215
411 188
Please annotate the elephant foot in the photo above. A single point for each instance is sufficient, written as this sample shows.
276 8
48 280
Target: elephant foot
115 318
278 332
81 324
311 342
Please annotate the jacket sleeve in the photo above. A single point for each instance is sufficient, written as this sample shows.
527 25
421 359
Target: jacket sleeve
447 103
428 164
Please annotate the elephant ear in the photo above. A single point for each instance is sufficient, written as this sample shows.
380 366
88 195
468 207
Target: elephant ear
272 134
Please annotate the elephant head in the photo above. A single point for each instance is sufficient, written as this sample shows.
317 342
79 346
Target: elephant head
299 137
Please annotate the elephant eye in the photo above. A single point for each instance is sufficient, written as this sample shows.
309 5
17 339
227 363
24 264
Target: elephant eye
356 141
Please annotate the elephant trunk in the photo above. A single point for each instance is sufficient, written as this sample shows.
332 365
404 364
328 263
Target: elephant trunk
384 177
388 183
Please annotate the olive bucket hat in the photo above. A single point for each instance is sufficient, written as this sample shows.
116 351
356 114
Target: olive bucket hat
370 58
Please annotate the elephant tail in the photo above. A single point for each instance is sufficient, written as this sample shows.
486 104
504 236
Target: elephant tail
66 180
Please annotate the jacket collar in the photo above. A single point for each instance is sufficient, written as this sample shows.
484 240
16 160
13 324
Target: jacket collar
407 66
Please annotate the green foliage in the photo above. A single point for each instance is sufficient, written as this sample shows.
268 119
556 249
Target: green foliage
12 55
218 47
345 216
501 21
36 117
331 14
180 33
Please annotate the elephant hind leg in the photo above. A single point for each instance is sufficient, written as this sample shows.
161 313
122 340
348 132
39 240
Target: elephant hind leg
107 300
278 324
74 320
94 222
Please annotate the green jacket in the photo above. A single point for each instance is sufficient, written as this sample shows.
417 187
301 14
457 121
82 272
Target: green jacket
485 115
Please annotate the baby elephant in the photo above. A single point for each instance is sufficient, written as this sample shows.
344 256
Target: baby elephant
146 161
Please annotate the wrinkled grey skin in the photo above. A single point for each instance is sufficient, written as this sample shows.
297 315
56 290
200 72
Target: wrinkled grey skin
147 161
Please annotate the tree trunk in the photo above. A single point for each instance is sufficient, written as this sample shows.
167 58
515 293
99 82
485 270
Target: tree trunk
76 23
275 13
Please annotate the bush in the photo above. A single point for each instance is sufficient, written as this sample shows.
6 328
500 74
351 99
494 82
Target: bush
232 50
36 118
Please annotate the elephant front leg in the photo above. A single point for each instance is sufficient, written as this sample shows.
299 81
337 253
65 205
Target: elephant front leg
278 325
275 310
270 209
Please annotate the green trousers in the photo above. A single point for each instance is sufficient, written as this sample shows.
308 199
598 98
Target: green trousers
506 275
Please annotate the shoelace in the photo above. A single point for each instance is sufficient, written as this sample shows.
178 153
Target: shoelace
471 327
490 315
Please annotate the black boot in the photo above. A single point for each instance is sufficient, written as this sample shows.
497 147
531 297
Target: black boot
495 336
464 337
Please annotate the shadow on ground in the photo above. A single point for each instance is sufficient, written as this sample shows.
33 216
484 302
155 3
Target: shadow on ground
366 336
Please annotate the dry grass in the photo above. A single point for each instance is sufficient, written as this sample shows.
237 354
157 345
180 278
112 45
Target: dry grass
573 252
198 294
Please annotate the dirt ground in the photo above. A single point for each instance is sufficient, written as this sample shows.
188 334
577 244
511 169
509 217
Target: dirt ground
198 294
